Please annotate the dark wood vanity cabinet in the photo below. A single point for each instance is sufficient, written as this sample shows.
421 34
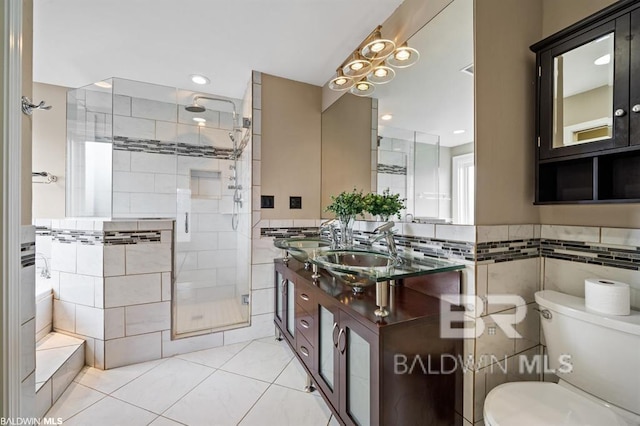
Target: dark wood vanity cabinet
361 364
588 110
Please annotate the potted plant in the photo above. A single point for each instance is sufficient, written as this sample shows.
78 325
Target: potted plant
385 205
346 206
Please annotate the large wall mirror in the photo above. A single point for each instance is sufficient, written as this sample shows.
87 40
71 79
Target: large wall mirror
425 150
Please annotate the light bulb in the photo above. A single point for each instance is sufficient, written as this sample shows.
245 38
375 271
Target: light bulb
381 72
402 55
377 47
340 81
199 79
357 66
362 86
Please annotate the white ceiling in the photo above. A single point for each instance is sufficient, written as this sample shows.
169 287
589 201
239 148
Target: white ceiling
79 42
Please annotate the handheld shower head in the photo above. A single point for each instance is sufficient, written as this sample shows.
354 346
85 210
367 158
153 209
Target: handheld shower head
194 107
233 139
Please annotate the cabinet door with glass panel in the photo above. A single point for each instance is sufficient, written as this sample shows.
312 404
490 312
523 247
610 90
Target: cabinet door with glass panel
584 91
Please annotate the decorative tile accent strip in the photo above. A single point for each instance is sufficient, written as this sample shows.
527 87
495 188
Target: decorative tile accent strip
121 143
27 254
505 251
596 254
113 238
43 231
289 232
108 238
68 236
391 169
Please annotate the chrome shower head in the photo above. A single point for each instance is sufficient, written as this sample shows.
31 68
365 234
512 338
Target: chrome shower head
232 138
194 107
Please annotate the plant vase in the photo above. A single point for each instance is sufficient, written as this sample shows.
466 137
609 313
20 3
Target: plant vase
346 230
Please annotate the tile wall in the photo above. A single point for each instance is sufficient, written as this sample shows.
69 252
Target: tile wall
521 259
27 363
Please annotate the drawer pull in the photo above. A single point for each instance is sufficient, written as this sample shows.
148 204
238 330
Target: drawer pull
304 323
304 351
304 297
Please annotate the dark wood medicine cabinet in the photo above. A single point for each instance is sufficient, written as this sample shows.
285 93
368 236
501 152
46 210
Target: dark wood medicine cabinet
588 110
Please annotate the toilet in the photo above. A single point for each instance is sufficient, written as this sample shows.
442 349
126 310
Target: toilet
603 386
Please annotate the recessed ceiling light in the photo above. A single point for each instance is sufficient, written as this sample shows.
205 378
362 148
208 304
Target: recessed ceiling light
199 120
458 132
199 79
603 60
386 117
103 84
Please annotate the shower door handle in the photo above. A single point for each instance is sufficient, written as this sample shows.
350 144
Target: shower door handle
186 223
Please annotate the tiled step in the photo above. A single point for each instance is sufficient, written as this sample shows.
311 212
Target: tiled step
59 358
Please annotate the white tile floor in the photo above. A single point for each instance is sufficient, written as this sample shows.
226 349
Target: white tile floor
254 383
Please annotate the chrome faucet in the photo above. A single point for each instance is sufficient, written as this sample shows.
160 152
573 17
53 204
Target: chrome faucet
386 231
44 272
329 225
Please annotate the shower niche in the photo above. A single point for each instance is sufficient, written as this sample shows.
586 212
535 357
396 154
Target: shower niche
139 150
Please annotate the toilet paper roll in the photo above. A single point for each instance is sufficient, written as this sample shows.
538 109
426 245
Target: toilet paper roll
607 296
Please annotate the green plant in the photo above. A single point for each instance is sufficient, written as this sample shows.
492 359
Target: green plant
385 204
347 203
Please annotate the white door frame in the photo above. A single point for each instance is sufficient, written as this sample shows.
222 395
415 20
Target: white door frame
11 200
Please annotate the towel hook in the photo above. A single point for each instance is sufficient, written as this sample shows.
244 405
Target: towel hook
28 107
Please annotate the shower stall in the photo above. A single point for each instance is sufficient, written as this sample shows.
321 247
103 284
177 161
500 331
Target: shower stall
140 150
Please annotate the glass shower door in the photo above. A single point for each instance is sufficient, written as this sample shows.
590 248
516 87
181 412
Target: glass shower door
212 266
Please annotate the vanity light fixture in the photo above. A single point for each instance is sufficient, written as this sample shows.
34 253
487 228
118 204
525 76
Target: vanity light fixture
199 79
386 117
603 60
370 64
363 88
403 57
341 82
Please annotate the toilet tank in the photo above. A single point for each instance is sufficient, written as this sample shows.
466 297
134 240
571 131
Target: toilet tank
603 350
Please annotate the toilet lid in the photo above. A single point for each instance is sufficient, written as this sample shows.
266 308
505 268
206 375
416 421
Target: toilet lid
539 403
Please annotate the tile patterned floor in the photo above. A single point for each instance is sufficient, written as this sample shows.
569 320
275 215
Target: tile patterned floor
254 383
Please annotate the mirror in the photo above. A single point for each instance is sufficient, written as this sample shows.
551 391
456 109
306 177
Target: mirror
583 93
425 151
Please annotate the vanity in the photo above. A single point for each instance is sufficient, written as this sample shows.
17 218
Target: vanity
375 370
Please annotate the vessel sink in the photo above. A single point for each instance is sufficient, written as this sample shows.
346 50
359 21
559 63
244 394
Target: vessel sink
302 248
356 268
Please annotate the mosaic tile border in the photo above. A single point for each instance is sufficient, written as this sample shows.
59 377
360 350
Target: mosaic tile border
572 251
391 169
506 251
592 253
107 238
28 254
289 232
152 146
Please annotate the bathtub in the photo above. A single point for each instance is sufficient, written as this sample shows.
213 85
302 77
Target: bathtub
44 307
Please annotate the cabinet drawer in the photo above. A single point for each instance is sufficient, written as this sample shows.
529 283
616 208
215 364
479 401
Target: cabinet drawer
304 297
304 323
305 351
